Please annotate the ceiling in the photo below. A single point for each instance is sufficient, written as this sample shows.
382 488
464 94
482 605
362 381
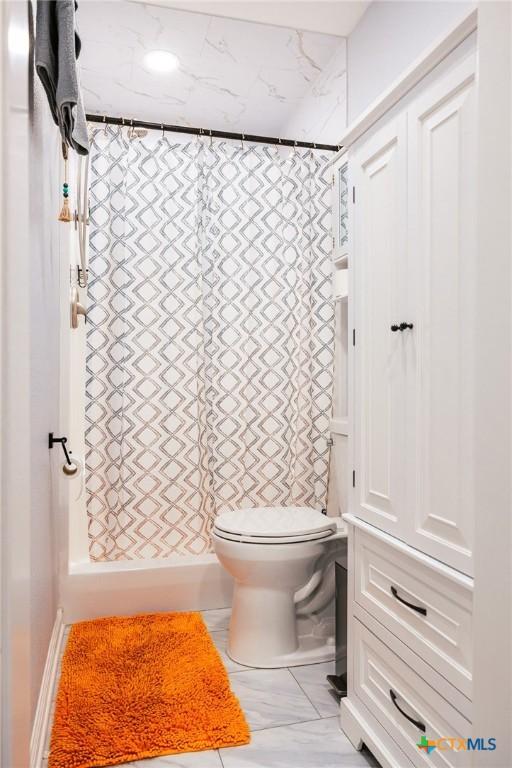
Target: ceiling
337 17
234 75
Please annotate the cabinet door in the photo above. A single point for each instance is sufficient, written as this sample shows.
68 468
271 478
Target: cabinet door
440 370
380 178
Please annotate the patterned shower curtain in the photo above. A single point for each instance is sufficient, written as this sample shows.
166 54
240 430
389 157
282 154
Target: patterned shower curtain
209 338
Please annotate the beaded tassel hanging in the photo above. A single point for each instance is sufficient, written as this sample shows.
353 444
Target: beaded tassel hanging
65 213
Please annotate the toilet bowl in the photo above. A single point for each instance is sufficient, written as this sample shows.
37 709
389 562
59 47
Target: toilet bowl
281 560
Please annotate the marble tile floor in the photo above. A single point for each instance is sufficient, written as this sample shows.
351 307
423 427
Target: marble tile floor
291 712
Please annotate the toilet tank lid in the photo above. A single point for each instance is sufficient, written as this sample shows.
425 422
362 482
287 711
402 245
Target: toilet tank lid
274 521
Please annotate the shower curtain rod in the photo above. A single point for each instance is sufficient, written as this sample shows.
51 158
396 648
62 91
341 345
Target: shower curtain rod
209 133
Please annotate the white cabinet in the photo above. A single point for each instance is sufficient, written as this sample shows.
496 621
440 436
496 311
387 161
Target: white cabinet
414 299
441 289
427 643
403 702
379 172
427 606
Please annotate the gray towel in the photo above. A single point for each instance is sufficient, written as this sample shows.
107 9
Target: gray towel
57 49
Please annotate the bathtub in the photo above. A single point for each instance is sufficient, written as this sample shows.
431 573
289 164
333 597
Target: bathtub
89 590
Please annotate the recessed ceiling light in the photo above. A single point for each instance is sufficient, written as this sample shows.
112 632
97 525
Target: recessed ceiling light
161 61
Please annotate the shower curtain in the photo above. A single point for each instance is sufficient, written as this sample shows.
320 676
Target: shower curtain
209 338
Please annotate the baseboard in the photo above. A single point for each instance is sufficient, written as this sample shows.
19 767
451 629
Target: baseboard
46 694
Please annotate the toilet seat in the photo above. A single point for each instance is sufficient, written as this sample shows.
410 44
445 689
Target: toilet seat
274 525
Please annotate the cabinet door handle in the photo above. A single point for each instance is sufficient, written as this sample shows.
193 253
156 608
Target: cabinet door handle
416 608
417 723
402 327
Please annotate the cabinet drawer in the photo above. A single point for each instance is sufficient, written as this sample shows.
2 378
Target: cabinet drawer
406 706
421 605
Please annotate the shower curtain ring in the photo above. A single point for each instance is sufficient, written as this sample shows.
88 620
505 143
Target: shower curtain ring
105 124
162 127
242 140
211 138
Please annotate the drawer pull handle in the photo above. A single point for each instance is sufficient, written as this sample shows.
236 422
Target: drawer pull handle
419 725
416 608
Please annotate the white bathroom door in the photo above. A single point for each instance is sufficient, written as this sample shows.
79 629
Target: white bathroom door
380 179
442 296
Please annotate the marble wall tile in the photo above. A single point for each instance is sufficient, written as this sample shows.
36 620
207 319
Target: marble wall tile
234 75
321 114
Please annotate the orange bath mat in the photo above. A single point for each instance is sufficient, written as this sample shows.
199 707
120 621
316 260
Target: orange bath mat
142 686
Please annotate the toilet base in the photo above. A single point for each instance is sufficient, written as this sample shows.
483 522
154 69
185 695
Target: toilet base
312 650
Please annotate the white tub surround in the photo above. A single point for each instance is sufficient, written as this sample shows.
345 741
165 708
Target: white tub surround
179 583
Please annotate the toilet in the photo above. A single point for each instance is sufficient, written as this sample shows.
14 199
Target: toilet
282 563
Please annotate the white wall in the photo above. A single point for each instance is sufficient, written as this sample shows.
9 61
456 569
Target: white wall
45 202
388 38
30 371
